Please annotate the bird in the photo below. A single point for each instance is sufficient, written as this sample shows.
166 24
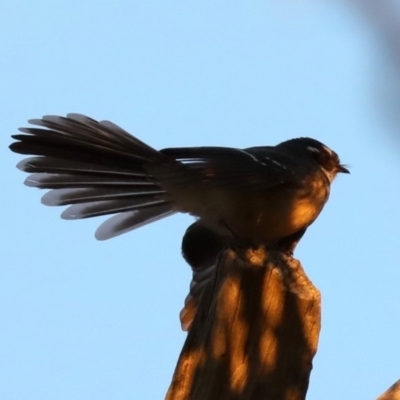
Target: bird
259 196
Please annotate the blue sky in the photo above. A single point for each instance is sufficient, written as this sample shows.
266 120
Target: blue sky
84 319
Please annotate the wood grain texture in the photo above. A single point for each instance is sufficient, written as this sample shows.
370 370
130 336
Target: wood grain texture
255 333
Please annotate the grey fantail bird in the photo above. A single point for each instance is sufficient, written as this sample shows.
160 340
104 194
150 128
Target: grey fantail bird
259 196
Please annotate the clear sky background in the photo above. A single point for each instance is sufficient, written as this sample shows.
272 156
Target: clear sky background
81 319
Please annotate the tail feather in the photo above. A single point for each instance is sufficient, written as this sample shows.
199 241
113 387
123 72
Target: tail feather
48 141
108 129
126 222
99 208
84 136
45 180
57 165
95 167
62 197
81 126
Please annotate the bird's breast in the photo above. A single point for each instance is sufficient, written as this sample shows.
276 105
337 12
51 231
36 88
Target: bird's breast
280 214
259 217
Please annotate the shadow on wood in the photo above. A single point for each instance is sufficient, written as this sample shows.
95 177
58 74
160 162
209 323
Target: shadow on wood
255 333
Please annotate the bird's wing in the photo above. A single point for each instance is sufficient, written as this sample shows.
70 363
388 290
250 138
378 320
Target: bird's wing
227 168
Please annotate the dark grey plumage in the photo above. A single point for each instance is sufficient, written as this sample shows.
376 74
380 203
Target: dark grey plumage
258 196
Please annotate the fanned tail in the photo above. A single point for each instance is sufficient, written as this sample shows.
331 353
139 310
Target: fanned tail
96 168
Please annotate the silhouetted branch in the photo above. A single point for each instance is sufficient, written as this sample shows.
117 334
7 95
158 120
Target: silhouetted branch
255 333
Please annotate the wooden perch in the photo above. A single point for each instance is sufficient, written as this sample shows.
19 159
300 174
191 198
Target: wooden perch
255 333
393 393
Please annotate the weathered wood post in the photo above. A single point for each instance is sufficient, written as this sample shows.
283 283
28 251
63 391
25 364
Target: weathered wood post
255 333
393 393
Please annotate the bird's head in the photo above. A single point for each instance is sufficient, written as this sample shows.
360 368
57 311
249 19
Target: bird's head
326 158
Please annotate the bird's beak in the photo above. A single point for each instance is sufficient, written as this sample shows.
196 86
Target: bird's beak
341 168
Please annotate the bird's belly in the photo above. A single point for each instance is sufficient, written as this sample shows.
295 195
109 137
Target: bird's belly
283 221
261 217
280 218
